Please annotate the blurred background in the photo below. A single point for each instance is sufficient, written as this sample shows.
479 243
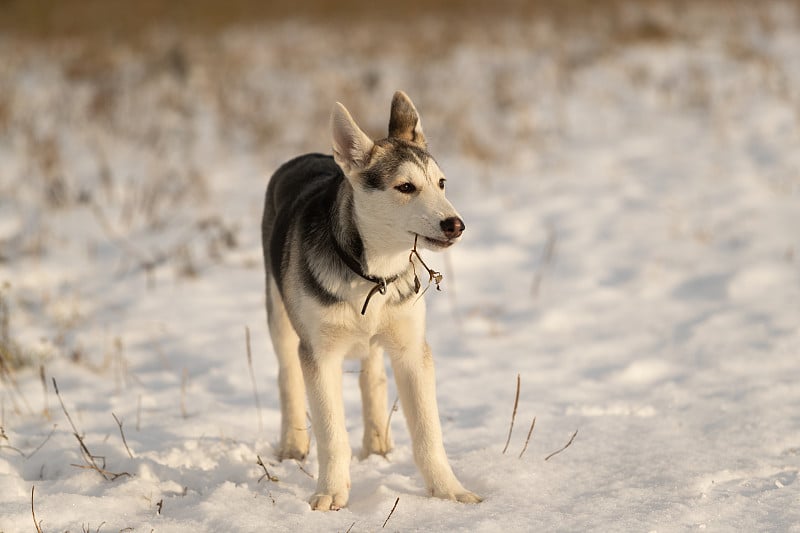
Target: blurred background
137 137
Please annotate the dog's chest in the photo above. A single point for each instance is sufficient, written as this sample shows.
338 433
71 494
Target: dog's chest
348 331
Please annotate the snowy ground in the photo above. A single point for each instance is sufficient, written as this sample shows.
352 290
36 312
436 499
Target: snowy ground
632 202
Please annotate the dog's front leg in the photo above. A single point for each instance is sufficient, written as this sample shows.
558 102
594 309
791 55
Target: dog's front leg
416 384
323 378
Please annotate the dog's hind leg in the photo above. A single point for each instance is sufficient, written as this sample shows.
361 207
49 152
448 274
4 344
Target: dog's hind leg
294 434
372 380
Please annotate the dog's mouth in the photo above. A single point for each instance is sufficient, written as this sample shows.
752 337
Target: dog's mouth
438 243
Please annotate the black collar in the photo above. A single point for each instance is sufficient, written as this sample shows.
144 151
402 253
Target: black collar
353 264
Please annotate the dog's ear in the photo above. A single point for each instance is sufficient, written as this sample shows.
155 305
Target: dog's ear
351 146
404 122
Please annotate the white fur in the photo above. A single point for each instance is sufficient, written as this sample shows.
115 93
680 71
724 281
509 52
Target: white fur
387 221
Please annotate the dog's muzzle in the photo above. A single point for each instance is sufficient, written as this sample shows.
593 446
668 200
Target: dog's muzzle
452 227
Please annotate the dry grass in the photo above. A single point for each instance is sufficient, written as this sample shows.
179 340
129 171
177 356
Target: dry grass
120 19
13 354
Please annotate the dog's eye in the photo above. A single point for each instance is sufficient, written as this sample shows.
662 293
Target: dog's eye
406 188
441 183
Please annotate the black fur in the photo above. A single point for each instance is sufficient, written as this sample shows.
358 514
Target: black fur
308 204
399 152
300 201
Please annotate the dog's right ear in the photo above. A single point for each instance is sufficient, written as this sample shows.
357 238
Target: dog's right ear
351 146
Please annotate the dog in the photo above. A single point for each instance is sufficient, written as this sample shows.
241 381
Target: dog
338 233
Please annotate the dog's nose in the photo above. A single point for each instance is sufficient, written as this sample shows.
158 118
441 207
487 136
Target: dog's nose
452 227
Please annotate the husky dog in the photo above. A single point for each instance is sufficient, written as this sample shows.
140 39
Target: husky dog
341 282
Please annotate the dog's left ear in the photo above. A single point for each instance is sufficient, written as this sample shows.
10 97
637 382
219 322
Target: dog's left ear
351 146
404 120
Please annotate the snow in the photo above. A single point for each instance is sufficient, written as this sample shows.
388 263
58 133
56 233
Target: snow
632 252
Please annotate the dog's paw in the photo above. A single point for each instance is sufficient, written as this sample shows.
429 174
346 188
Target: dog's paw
292 452
328 502
461 495
294 446
375 445
468 497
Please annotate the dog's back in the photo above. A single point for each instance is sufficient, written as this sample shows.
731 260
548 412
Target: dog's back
301 192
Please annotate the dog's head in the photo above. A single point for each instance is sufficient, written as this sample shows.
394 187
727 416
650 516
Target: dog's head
398 189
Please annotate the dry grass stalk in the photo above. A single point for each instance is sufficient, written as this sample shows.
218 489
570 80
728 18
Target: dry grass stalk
388 423
391 512
46 439
253 378
88 457
266 473
43 379
513 416
85 528
33 513
567 445
433 276
303 470
23 454
528 438
12 448
350 528
8 377
124 441
11 355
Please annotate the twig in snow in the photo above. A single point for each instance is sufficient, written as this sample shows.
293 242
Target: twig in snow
12 448
159 506
124 441
391 512
23 454
388 422
513 416
266 473
528 438
350 528
87 455
253 377
303 470
33 513
85 528
110 476
567 445
39 447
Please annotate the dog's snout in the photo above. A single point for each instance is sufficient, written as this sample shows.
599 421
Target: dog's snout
452 227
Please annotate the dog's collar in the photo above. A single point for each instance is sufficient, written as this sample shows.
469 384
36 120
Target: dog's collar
353 264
